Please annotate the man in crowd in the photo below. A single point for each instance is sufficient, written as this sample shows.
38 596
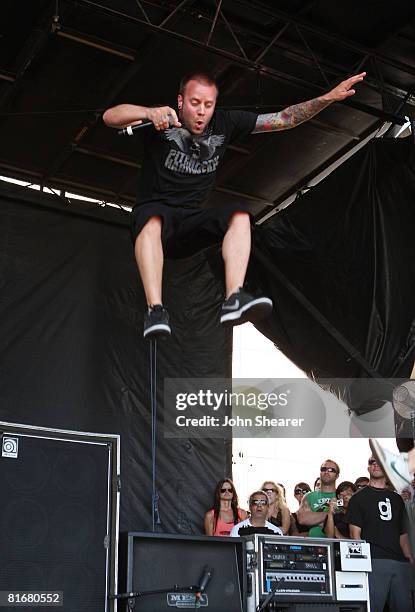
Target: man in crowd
315 505
377 514
337 525
361 482
180 163
257 522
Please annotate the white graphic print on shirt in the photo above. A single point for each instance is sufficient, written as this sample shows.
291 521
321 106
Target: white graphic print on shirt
195 154
385 510
320 503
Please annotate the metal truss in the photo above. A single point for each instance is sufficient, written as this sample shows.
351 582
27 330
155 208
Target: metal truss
241 31
251 49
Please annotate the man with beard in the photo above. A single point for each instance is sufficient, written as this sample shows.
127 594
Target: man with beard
315 505
377 515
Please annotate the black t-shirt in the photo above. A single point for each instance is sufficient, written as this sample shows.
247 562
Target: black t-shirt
380 513
179 168
248 530
300 528
342 524
276 520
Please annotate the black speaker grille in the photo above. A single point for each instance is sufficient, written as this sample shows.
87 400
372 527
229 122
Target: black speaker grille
164 561
53 522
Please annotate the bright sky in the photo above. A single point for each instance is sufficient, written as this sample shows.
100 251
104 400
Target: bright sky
286 461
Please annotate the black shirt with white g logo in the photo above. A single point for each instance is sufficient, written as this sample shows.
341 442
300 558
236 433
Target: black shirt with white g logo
380 513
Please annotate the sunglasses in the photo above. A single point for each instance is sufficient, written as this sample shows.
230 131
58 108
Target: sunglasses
361 486
372 462
299 491
259 502
328 469
269 490
224 490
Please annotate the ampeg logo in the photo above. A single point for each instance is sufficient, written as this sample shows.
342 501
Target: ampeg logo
187 600
10 447
355 549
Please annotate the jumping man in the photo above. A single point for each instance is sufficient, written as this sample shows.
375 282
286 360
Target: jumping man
182 155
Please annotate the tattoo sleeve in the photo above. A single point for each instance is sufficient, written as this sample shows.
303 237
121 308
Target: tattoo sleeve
290 117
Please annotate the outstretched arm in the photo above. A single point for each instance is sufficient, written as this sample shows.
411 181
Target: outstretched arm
298 113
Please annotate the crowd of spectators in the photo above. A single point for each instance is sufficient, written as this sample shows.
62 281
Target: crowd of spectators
367 508
321 511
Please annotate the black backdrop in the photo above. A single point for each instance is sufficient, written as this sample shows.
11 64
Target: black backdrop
71 316
73 357
338 263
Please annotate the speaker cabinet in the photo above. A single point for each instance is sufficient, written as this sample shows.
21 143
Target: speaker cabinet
160 561
59 518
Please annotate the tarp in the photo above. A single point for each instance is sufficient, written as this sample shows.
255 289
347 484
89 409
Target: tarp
72 354
338 264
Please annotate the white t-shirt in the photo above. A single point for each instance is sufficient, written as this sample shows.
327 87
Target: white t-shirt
247 523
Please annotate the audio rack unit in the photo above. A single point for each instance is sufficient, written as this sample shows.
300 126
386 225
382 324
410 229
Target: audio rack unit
313 571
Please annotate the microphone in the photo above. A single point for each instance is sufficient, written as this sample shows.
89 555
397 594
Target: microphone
131 129
270 595
204 580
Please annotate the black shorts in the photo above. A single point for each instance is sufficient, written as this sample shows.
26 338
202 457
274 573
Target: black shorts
186 230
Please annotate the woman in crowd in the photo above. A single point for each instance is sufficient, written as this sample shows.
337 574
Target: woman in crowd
317 484
225 513
337 525
281 486
296 529
278 512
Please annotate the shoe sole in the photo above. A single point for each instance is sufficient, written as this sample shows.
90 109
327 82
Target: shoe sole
398 480
253 311
157 332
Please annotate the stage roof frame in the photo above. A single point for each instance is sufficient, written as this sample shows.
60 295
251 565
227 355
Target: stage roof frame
65 61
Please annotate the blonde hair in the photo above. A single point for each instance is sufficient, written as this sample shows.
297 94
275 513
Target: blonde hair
280 502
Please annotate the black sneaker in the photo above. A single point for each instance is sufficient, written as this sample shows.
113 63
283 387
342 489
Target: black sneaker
241 307
156 323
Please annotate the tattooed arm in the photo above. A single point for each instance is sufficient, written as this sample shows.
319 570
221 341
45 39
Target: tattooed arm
298 113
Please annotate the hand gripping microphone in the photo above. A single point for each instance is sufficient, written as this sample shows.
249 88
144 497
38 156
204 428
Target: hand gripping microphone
130 130
204 581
